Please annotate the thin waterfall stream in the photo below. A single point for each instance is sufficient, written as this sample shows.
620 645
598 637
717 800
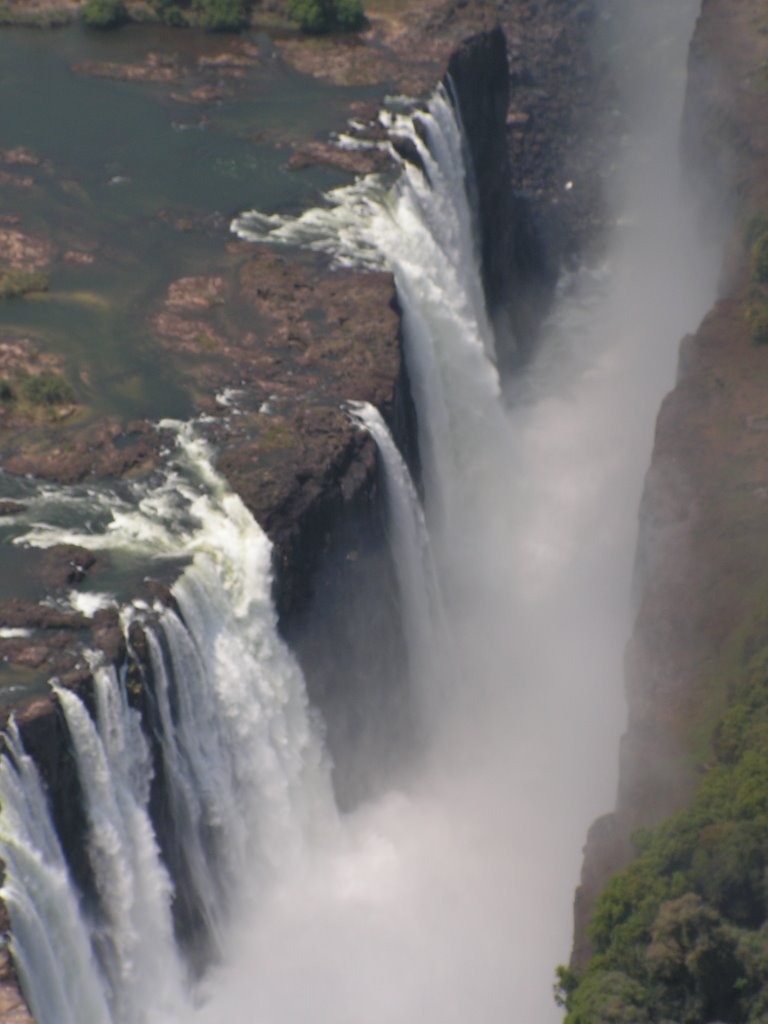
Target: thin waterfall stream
448 899
421 599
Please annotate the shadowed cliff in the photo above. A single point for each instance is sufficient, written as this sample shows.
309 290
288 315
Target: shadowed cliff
680 932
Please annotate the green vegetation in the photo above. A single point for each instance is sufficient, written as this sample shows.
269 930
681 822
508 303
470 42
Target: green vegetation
681 936
212 15
314 17
14 283
757 317
222 15
46 389
756 226
10 15
320 16
349 15
756 244
42 390
169 13
104 13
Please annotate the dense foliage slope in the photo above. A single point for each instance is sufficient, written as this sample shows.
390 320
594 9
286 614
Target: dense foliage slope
681 935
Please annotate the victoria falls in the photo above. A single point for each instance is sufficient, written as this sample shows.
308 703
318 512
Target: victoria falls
381 469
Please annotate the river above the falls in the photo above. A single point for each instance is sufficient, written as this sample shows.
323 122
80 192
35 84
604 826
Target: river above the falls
130 184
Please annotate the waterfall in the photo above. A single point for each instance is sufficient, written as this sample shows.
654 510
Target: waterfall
449 901
133 932
246 777
50 941
422 612
422 230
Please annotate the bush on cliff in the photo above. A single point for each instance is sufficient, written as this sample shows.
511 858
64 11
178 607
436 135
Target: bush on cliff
757 317
319 16
756 226
687 921
756 243
104 13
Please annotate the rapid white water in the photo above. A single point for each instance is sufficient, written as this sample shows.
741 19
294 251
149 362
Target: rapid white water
51 942
133 932
246 778
449 901
422 231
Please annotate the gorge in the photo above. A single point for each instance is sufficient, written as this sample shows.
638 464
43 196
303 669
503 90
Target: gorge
386 822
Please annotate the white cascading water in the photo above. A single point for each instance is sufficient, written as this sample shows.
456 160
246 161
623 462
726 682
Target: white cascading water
246 776
421 602
51 941
133 932
422 231
450 901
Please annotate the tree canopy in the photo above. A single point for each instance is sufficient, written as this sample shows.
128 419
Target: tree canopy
681 935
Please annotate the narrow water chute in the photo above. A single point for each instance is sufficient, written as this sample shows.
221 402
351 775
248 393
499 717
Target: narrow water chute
421 613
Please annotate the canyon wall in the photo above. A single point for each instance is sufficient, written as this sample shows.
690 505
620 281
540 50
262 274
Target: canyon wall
702 570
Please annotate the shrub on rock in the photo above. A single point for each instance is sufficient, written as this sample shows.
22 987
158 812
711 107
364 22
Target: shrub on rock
104 13
169 13
319 16
222 15
46 389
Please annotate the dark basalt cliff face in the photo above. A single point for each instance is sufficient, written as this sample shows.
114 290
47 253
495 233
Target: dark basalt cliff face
531 99
518 272
702 560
